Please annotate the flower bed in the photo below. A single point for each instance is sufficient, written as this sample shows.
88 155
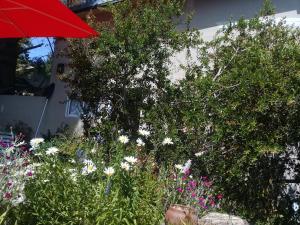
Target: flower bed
50 184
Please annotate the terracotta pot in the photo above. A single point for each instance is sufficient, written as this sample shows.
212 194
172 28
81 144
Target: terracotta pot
181 215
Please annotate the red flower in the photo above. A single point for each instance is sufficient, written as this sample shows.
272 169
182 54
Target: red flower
219 196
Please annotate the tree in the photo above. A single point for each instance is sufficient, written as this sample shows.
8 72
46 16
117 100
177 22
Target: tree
126 69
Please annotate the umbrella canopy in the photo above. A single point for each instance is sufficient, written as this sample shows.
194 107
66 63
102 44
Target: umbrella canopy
40 18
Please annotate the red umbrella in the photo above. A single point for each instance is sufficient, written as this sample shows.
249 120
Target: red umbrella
40 18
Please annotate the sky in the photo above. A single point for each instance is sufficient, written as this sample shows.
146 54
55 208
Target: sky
42 51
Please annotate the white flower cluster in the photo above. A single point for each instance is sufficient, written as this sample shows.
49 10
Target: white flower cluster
130 161
15 170
144 132
35 142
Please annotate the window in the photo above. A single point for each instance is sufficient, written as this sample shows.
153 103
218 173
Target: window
73 108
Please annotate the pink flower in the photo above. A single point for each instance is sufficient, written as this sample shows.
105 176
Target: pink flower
193 195
207 183
205 178
7 195
212 203
201 199
180 190
9 184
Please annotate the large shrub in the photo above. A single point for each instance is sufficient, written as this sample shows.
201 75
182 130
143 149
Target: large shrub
240 108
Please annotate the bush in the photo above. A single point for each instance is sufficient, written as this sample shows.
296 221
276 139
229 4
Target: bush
239 107
83 189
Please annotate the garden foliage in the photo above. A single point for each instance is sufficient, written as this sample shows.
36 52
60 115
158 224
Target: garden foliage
235 115
82 188
125 71
240 106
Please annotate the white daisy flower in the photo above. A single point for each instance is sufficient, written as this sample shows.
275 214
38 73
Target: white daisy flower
52 151
88 168
198 154
109 171
130 159
35 142
140 142
123 139
179 166
125 166
167 141
144 133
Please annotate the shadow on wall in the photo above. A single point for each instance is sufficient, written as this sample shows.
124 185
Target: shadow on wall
209 13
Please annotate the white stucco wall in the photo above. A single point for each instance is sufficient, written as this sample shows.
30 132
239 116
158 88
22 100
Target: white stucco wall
210 16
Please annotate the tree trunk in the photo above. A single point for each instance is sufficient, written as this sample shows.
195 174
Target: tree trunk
8 62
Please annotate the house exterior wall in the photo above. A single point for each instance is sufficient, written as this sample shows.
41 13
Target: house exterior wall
55 115
209 16
218 12
27 109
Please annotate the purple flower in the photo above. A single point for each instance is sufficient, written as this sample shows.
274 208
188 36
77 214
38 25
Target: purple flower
187 172
192 184
29 173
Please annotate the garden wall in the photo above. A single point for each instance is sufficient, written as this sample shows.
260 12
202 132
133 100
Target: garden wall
14 108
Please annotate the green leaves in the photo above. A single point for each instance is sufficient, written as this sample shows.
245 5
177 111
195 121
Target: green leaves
246 94
127 67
